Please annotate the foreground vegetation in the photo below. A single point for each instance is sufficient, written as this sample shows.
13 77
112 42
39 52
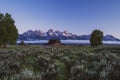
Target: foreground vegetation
60 63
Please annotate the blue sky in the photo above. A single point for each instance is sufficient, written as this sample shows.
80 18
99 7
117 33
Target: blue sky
76 16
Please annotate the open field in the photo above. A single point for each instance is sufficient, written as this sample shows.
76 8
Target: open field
39 62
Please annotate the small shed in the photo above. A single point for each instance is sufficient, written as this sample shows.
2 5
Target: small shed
54 42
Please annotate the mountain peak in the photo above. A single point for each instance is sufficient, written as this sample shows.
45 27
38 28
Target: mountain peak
63 35
109 37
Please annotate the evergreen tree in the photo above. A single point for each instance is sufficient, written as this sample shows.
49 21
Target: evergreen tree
8 30
96 38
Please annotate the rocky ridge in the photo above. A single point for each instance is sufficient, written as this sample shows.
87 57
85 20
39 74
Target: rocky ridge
56 34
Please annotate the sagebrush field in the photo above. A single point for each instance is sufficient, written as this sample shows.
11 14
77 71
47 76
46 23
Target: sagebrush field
39 62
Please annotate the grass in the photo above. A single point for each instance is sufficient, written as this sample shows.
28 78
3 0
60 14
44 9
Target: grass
59 62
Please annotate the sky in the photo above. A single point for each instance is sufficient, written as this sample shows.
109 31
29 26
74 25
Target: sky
76 16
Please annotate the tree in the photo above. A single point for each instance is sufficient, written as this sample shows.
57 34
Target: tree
96 38
8 30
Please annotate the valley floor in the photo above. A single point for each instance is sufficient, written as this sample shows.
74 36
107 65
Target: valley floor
69 62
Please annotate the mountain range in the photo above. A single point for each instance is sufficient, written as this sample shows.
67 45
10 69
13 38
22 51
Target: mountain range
56 34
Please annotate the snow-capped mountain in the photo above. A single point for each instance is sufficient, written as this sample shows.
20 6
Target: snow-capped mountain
110 38
63 35
52 32
32 33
